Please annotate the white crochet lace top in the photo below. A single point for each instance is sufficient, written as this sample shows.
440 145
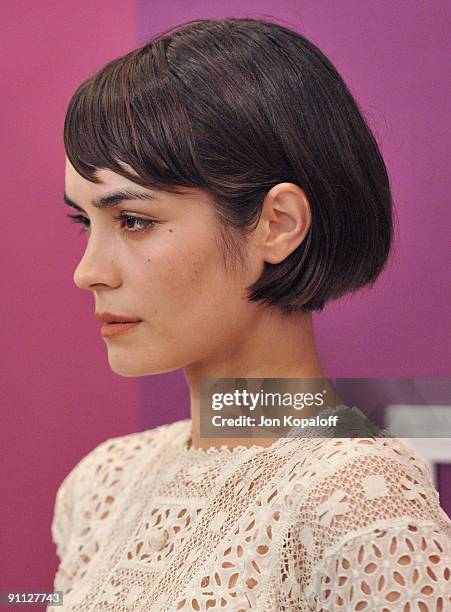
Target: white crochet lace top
144 522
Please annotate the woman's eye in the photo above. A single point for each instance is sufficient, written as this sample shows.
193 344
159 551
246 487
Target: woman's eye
80 219
131 224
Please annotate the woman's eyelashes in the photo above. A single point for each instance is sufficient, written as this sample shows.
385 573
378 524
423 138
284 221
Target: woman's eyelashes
130 220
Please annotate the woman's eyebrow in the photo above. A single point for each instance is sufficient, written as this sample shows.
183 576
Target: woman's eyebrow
108 201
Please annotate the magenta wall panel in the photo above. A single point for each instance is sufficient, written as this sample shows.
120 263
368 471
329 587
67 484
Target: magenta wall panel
59 397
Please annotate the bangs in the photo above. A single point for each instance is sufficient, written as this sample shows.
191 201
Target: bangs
130 114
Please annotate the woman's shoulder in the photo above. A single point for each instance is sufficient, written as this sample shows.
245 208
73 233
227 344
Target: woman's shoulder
360 501
351 485
373 467
137 442
119 456
356 439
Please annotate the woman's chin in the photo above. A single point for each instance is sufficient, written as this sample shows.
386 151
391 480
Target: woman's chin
127 372
130 368
125 367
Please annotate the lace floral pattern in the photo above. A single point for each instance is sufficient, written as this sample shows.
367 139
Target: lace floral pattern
387 569
314 524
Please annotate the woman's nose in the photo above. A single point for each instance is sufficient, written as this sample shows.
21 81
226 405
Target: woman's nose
96 268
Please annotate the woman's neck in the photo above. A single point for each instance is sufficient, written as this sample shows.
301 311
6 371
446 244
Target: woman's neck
273 346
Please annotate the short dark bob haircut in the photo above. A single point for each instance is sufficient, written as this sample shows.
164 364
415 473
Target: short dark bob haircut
233 107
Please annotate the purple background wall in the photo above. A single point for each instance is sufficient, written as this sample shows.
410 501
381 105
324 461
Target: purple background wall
59 398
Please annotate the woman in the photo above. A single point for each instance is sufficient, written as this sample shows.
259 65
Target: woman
230 186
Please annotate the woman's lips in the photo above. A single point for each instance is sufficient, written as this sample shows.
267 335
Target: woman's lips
114 329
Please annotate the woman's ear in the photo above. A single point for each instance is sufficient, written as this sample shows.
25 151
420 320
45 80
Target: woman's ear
284 222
